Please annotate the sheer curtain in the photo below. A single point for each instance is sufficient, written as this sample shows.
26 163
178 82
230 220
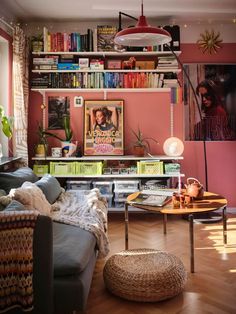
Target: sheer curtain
20 92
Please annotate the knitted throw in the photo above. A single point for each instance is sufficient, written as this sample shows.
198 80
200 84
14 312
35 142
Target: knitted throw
16 259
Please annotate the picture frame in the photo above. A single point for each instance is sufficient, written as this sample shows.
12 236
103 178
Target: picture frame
114 64
58 106
103 127
212 116
78 101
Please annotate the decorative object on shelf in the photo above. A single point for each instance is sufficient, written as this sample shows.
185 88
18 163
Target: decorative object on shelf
68 148
37 43
194 188
142 34
141 144
56 152
103 127
173 146
209 42
105 37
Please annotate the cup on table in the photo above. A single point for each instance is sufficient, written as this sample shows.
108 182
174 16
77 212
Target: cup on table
56 152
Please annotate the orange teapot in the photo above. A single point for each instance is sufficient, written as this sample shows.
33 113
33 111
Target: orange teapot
194 188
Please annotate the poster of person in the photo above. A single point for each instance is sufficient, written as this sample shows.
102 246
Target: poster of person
210 113
104 127
58 106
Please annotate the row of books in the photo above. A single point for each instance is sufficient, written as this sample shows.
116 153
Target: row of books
54 42
99 80
102 40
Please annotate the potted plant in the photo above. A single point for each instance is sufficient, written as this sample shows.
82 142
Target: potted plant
42 147
68 148
141 143
7 123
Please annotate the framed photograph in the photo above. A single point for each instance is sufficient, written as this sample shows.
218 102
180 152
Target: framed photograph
78 101
211 115
103 127
58 106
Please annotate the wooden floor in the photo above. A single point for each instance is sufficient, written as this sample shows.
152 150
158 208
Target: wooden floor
211 289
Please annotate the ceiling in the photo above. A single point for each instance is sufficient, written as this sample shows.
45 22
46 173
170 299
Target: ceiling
175 11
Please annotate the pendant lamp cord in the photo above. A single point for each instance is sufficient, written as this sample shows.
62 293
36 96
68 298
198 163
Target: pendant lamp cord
200 114
141 7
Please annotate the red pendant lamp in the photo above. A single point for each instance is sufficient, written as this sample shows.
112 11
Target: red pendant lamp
142 34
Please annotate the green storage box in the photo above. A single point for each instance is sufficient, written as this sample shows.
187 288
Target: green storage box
89 168
40 170
62 168
146 167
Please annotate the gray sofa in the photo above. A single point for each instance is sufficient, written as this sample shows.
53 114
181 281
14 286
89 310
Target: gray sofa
64 255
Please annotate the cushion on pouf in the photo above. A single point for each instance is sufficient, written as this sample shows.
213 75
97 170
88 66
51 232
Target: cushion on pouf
13 180
144 275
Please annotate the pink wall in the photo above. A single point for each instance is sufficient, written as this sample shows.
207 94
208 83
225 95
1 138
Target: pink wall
151 111
221 156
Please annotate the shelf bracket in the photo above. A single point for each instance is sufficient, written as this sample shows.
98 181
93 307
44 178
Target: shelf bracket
104 95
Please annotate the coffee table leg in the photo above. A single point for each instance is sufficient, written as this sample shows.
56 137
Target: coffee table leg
164 223
224 225
126 227
190 217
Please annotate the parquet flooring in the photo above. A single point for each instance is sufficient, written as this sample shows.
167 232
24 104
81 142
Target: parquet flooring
211 289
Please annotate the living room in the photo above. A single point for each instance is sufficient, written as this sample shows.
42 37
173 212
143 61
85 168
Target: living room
203 41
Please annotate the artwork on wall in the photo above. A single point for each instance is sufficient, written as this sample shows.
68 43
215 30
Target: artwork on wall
104 127
215 85
58 106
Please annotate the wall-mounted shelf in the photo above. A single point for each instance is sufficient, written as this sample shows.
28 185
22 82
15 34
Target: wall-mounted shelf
95 90
108 53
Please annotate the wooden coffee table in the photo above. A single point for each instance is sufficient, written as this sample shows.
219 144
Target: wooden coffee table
210 202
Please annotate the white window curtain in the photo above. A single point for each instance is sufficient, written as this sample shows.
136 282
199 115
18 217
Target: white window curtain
20 93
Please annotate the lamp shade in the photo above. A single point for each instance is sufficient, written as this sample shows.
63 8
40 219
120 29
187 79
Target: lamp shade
173 146
142 35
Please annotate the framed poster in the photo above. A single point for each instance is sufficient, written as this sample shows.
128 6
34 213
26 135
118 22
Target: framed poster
212 116
103 127
58 106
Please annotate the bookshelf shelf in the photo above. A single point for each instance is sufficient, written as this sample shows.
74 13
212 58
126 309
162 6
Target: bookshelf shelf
108 53
95 90
160 70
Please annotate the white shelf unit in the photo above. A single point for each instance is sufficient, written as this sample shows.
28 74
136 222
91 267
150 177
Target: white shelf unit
111 177
107 54
115 158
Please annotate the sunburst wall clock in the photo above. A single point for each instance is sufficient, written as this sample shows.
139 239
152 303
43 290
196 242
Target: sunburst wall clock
209 42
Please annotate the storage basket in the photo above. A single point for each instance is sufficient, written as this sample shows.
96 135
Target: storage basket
155 167
62 168
105 187
40 170
130 185
89 168
78 185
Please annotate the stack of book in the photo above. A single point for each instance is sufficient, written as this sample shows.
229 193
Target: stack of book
47 63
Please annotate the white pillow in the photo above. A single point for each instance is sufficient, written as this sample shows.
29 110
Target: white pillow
31 197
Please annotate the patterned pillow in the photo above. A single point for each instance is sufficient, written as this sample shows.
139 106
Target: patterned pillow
31 197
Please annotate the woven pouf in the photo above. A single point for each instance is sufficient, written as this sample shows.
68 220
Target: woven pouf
144 275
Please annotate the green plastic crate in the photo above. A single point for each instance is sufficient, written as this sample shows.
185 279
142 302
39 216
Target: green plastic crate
155 167
89 168
40 170
62 168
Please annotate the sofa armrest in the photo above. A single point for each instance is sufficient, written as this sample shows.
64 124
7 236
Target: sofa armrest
43 266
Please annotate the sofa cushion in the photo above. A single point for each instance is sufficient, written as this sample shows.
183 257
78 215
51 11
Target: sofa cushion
72 249
11 180
2 193
15 206
50 187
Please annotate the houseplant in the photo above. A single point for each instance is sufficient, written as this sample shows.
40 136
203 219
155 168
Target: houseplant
6 123
42 147
37 43
141 143
68 148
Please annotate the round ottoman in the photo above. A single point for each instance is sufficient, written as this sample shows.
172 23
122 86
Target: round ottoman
144 275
